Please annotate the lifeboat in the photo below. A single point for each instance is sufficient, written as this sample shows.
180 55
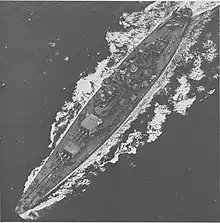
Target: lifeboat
133 68
123 71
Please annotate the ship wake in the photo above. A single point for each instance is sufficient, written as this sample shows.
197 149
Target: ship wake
182 83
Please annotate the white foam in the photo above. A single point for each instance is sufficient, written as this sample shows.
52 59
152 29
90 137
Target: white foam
216 76
200 88
211 91
180 100
181 106
211 50
198 7
197 73
154 126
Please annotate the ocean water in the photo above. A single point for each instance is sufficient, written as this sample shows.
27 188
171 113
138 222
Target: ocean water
162 164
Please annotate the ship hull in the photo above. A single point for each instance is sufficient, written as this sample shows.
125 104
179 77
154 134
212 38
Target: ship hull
103 115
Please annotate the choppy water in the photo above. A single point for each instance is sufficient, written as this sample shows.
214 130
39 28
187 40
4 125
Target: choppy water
190 79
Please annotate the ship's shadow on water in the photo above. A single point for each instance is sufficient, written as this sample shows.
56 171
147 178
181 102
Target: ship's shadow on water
173 175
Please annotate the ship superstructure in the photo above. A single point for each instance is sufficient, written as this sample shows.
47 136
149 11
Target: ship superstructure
119 94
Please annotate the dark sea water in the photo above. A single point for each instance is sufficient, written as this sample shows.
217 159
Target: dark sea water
175 178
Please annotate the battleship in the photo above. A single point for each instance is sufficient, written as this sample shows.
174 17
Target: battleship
109 107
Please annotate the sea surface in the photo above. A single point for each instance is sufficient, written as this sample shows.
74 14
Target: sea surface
162 164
